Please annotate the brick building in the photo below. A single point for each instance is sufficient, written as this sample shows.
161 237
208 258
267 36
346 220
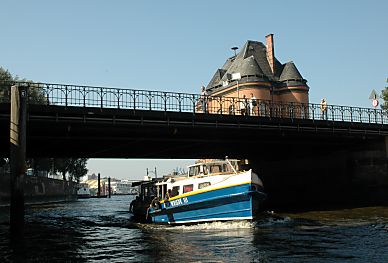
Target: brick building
255 70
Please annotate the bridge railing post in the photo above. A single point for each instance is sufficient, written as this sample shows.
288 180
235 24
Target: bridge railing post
221 105
84 93
351 114
332 113
101 98
193 100
180 102
313 111
66 94
165 100
134 99
375 111
118 98
149 100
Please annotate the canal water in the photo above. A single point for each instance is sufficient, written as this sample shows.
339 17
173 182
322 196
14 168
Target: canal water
101 230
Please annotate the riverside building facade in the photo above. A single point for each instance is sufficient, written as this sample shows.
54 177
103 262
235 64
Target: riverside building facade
256 73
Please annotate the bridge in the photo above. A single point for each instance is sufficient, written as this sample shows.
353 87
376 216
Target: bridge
297 148
83 121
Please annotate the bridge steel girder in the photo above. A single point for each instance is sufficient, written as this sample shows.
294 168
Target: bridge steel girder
56 131
386 145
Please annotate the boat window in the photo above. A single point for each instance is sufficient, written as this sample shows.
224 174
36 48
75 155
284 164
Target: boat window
235 165
160 192
164 190
194 170
205 170
175 191
187 188
215 168
203 185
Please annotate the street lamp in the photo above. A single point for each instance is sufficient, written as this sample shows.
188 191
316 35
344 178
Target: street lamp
237 76
234 49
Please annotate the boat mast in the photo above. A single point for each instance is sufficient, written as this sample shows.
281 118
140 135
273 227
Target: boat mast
226 159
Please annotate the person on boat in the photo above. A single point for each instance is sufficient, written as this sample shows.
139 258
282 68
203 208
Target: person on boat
133 204
168 195
155 203
205 170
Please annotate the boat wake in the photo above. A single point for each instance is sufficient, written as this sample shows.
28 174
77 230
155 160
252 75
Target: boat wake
268 219
218 226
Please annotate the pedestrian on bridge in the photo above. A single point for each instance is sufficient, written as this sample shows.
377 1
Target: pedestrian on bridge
203 99
324 109
253 103
244 107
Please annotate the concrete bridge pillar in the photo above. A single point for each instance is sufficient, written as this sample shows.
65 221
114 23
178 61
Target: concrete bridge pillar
17 159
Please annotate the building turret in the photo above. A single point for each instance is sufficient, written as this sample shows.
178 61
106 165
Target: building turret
260 74
292 87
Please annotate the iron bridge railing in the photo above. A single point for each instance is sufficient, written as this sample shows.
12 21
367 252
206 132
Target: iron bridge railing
102 97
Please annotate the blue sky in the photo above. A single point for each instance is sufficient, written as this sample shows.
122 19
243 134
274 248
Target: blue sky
340 47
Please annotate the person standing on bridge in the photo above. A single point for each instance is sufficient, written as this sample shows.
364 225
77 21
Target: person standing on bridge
323 109
244 107
253 103
203 99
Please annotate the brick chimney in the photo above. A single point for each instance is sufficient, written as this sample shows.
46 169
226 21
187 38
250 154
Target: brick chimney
270 52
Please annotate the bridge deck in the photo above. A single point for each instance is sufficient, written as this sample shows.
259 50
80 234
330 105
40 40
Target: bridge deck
66 120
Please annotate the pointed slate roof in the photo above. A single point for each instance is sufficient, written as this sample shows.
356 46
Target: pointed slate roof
215 81
259 52
290 72
252 60
249 66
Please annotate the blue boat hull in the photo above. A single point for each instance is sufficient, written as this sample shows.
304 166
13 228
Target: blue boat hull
241 202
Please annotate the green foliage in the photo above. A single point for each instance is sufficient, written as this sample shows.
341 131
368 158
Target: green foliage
35 94
5 76
75 167
384 96
78 168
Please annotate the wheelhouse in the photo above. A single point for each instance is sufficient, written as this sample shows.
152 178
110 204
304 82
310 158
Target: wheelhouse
214 167
201 174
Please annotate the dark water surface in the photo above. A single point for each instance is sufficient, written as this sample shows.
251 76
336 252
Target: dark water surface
101 230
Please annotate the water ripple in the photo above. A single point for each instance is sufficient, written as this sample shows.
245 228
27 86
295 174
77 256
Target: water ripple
101 230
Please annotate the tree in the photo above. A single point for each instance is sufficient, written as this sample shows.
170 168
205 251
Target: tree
5 76
384 96
35 94
75 167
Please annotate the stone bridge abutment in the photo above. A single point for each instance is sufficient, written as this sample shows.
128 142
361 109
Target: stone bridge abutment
341 177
